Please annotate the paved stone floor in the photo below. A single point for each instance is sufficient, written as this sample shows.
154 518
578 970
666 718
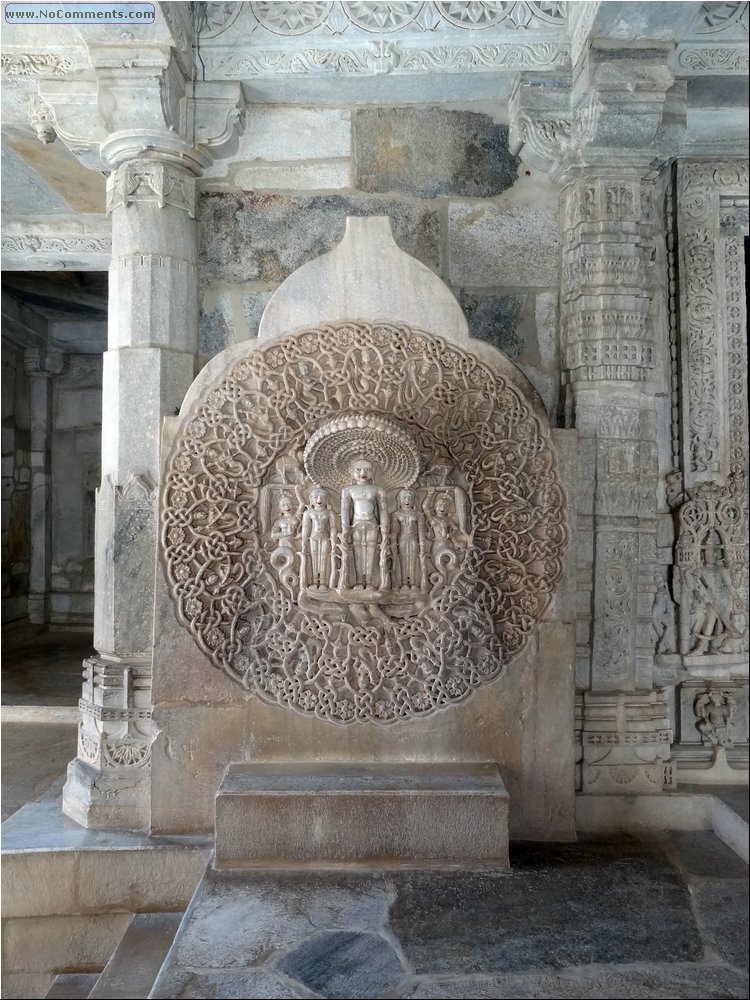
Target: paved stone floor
44 669
664 916
41 677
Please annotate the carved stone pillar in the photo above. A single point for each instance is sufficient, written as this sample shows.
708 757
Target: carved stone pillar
603 139
611 360
41 368
153 318
708 488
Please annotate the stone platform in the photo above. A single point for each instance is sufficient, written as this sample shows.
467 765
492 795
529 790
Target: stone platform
376 814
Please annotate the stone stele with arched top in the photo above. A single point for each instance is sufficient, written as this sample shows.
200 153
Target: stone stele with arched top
364 560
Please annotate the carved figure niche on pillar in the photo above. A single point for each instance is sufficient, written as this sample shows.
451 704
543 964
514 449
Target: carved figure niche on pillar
715 712
362 523
711 575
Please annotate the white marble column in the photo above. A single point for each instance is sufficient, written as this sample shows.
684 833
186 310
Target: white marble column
149 364
41 367
604 140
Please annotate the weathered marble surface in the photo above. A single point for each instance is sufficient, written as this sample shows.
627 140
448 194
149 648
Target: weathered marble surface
272 815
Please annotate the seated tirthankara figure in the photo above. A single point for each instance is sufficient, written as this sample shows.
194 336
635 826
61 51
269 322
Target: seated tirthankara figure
364 523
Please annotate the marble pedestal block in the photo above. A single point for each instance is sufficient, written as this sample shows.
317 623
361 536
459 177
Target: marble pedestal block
368 814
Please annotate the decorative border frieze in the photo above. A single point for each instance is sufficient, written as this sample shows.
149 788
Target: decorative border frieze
18 65
102 714
136 491
713 60
29 245
381 57
633 355
615 597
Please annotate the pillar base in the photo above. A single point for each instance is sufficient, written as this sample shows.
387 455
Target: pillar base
625 740
107 800
38 609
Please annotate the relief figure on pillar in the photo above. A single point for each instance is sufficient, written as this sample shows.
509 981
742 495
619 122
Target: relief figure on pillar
715 711
714 597
664 618
711 585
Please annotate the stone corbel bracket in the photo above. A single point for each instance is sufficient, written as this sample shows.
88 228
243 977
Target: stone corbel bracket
215 117
545 131
72 107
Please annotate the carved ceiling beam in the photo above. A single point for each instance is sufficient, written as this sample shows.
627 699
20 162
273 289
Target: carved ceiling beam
70 243
628 22
623 109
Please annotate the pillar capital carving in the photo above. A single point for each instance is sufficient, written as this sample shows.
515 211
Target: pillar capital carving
151 181
136 108
622 110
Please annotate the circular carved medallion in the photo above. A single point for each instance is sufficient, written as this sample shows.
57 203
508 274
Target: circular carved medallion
475 14
386 597
283 18
383 17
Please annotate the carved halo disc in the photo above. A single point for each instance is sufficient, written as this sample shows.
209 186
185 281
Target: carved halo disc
333 447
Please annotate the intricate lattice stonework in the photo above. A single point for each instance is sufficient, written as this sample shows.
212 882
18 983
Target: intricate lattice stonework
244 440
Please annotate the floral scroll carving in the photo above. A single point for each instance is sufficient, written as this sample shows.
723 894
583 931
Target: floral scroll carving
458 538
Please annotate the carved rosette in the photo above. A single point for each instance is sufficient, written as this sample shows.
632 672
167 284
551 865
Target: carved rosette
474 434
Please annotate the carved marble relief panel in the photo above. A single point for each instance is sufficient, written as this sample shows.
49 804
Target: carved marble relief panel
362 523
713 348
709 492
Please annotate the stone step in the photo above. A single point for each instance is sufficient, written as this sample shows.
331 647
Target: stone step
135 963
73 986
361 814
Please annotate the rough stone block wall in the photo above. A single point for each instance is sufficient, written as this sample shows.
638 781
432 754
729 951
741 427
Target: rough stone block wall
16 484
458 201
76 464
